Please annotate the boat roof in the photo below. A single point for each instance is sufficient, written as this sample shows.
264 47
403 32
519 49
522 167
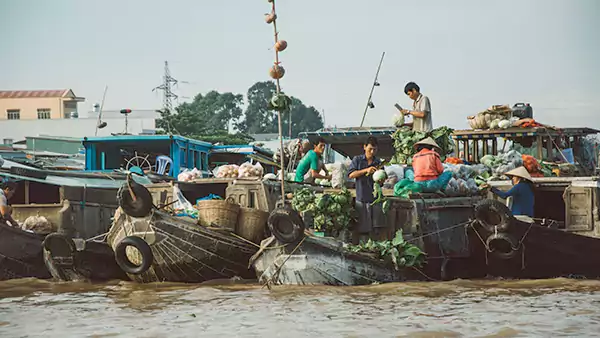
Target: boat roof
245 149
348 141
521 132
143 138
100 182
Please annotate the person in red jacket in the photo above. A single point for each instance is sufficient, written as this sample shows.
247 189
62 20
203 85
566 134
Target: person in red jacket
428 168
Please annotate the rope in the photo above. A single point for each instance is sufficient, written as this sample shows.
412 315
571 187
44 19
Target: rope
133 197
270 280
97 237
436 232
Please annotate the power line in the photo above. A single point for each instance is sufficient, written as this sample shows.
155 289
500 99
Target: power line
166 87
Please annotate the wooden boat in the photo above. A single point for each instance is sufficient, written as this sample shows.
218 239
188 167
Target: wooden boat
20 254
557 242
171 248
70 259
436 225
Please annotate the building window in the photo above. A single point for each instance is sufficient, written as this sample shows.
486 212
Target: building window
44 114
8 141
13 114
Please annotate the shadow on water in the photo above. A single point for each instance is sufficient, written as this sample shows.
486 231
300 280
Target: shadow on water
494 308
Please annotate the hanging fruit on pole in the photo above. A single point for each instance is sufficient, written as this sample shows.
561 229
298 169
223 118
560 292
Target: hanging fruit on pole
277 72
269 18
280 45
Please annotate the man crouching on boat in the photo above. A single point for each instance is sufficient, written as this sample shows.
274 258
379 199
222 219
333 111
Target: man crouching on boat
311 164
7 190
362 169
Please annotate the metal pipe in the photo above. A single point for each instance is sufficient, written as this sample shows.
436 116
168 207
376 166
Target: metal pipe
372 88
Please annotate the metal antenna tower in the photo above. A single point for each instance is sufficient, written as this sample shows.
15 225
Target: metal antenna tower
166 87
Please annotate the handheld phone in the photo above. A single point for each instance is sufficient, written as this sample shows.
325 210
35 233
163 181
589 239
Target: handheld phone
398 106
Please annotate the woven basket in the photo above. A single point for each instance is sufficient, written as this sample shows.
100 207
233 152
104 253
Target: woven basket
219 212
252 224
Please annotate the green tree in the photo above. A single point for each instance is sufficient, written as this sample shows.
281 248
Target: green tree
206 118
259 119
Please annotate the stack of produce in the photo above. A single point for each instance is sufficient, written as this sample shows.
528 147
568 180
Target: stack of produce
189 175
532 165
405 139
332 212
453 160
465 179
394 174
249 170
502 163
484 119
228 171
339 174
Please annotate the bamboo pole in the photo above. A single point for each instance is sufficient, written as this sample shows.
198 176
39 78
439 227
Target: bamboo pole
278 86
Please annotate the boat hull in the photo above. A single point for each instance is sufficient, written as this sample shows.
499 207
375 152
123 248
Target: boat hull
542 252
79 260
323 261
21 254
183 251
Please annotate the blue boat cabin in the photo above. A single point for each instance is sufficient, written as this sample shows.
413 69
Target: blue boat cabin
147 152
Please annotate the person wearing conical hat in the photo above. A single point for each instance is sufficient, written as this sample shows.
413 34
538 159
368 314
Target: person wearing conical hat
427 166
522 192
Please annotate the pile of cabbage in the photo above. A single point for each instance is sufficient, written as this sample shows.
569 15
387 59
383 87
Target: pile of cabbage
331 212
465 179
503 162
405 139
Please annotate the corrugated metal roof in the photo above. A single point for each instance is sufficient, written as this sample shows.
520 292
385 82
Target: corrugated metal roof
348 141
20 94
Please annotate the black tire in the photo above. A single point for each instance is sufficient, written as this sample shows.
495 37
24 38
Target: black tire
286 225
493 215
141 207
34 173
59 245
145 251
59 254
502 245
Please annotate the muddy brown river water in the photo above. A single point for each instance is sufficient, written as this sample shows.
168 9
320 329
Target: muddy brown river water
548 308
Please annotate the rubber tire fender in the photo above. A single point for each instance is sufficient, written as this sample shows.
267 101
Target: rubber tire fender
141 207
286 225
502 237
493 215
145 251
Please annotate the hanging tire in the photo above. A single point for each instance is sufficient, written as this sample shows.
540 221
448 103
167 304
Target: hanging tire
502 245
286 225
141 207
60 248
493 215
145 252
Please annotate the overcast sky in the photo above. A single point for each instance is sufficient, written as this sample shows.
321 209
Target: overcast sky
465 54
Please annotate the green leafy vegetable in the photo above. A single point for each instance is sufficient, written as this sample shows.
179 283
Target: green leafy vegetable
405 139
400 252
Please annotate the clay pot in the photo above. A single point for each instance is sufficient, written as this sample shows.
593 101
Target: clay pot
280 45
269 18
277 72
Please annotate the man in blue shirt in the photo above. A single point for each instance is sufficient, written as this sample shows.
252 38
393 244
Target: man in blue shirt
362 169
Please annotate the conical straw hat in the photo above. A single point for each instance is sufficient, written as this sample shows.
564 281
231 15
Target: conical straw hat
428 141
519 172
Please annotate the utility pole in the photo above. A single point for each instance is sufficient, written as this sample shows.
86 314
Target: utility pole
166 87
